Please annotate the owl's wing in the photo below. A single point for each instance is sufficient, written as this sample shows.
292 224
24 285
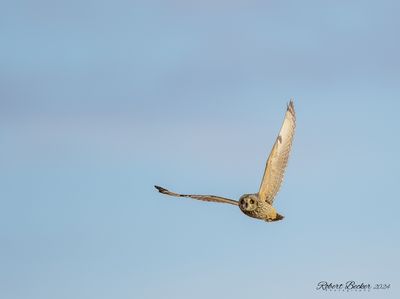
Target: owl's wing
278 158
199 197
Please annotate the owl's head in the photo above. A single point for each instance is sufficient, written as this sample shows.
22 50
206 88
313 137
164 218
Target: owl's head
248 202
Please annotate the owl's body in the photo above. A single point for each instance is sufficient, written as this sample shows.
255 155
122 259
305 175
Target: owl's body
259 205
253 206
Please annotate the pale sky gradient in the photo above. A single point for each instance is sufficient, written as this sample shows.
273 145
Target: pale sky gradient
100 100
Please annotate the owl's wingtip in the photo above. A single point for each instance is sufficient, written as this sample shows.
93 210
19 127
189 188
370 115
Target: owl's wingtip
160 189
290 106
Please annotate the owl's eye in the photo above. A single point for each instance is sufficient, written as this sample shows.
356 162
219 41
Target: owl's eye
251 201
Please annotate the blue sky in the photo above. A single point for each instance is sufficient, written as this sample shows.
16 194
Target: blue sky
99 101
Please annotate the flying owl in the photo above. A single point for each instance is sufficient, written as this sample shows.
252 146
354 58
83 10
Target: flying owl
259 205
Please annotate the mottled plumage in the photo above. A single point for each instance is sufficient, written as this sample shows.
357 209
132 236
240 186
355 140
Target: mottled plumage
259 205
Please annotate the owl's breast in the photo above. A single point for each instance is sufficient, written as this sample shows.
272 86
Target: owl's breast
264 211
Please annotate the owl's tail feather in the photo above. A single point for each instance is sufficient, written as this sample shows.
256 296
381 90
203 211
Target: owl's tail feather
278 217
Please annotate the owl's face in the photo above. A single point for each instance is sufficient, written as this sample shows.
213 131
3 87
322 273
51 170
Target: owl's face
248 202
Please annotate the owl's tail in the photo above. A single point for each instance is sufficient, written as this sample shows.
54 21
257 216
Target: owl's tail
278 217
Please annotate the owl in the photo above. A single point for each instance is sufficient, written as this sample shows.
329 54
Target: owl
259 205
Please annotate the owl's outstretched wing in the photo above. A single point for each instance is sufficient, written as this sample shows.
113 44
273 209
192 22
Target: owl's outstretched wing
199 197
278 158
